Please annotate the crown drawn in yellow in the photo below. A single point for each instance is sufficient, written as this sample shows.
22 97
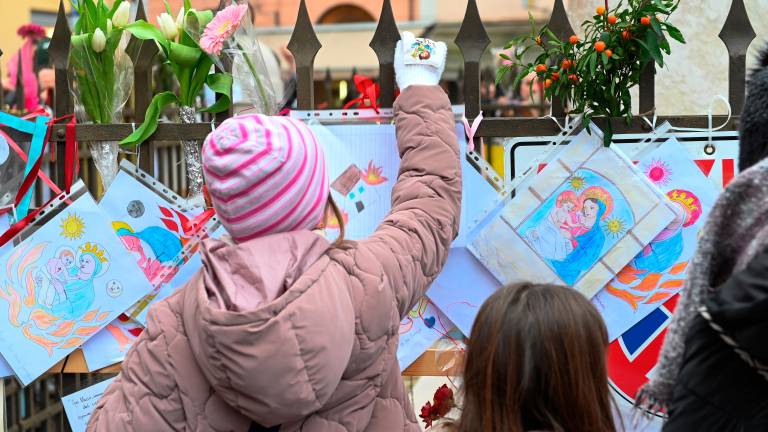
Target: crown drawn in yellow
683 198
92 248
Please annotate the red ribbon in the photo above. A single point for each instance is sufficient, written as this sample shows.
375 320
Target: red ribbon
69 175
369 94
16 148
196 225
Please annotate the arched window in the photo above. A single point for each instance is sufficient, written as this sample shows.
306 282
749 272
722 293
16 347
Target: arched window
345 14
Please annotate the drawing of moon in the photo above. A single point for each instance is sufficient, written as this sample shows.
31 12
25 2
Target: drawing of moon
114 288
4 150
135 209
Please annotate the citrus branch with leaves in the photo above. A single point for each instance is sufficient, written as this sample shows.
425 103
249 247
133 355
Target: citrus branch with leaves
594 76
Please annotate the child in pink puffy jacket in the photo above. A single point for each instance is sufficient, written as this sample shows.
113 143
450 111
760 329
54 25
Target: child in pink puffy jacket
281 330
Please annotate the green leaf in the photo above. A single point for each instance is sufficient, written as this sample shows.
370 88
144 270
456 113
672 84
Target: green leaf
664 45
187 5
160 101
605 60
675 33
167 8
201 73
518 79
505 56
146 31
501 73
656 27
651 46
593 62
198 21
220 83
183 55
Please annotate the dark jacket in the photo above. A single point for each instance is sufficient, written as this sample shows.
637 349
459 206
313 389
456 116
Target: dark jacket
720 387
722 384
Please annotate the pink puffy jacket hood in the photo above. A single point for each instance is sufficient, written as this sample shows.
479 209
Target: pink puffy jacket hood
250 353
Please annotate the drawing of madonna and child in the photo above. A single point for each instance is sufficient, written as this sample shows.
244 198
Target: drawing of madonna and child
65 285
567 231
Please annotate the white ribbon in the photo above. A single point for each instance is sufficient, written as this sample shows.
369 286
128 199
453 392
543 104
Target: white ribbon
709 129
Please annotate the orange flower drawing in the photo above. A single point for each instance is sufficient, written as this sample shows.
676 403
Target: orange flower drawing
372 176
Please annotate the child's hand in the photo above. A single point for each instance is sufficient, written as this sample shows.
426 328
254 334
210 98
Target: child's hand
419 61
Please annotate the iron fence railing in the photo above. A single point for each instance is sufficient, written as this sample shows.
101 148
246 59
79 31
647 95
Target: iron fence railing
37 407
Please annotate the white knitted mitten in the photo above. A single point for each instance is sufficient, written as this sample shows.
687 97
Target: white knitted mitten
419 61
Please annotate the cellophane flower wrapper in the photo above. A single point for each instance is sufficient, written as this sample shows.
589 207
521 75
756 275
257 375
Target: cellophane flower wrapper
250 72
101 84
449 351
251 78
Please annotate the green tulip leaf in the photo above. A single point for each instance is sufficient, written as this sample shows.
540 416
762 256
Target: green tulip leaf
184 56
146 31
220 83
160 101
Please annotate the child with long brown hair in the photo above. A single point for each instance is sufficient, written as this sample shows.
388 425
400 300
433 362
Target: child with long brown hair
536 361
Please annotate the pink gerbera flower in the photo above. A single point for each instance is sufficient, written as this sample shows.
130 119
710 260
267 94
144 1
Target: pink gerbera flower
221 27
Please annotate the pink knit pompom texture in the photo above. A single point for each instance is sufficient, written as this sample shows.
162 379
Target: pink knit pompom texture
221 27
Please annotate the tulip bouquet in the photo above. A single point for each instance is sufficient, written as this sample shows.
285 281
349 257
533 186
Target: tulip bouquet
193 70
223 38
101 73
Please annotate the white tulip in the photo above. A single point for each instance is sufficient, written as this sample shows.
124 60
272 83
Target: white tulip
98 41
109 26
168 26
180 20
122 15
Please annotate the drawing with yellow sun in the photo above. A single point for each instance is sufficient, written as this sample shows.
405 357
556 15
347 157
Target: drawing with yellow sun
578 223
72 227
577 182
615 227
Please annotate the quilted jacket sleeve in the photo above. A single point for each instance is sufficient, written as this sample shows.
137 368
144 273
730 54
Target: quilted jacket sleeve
413 241
145 395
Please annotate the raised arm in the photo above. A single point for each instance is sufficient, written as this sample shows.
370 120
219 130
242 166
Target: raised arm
413 241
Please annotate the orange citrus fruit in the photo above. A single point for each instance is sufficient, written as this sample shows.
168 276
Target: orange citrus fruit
599 46
600 10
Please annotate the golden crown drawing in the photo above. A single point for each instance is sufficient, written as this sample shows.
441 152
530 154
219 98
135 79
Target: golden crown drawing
93 249
688 201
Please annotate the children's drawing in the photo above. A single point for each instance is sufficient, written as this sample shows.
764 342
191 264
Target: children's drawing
358 187
578 222
362 163
582 220
658 272
61 285
111 343
154 228
462 287
423 326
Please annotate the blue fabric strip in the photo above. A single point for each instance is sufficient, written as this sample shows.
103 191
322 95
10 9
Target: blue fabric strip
35 150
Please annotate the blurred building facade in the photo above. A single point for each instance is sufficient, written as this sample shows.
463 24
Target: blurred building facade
18 13
345 28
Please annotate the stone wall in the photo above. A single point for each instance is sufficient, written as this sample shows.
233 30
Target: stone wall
698 71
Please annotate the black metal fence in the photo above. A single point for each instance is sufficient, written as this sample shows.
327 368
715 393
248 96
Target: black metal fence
37 407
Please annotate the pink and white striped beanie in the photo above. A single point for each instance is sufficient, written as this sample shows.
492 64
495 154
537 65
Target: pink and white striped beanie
265 175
